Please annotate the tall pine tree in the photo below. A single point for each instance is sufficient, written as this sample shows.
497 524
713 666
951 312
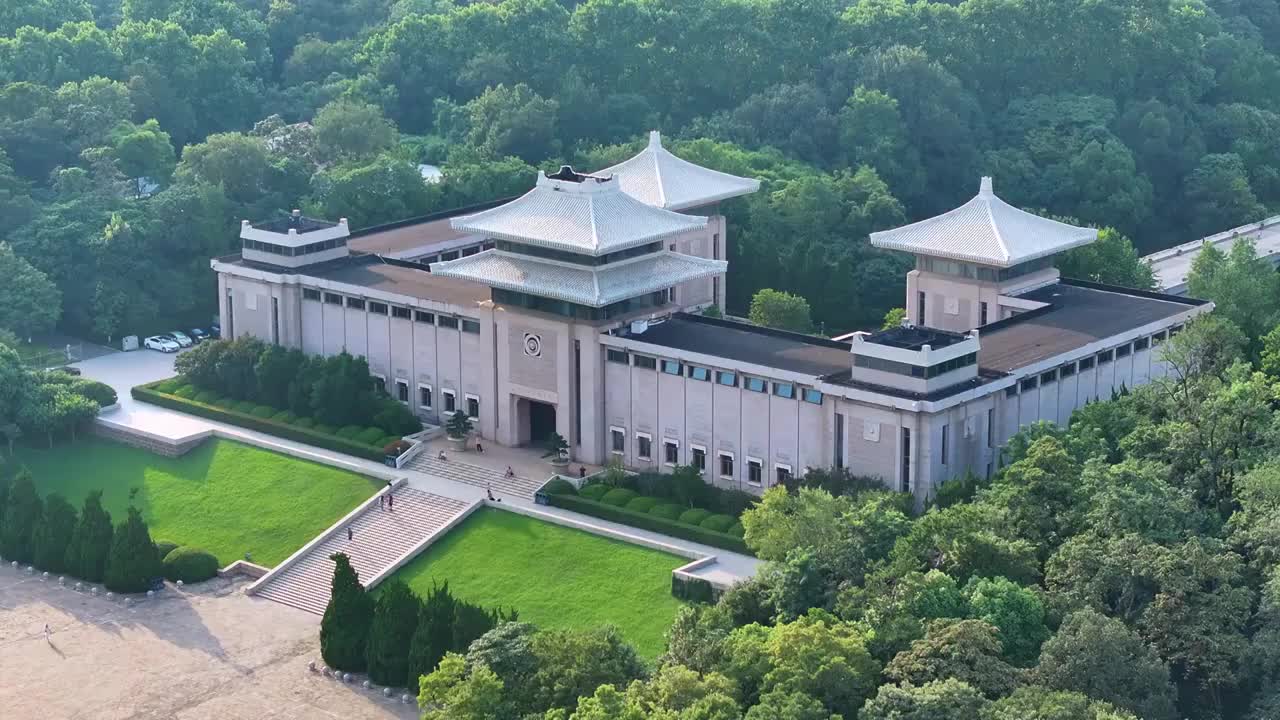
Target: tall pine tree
91 541
53 535
132 563
395 618
21 516
434 636
344 631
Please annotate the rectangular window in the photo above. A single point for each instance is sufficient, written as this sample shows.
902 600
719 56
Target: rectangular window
726 378
905 485
755 471
1124 350
1029 384
671 367
699 373
699 457
1011 391
355 303
617 440
402 391
447 256
424 397
448 322
378 308
333 298
644 446
616 356
726 465
450 401
1086 363
784 390
754 384
991 427
810 395
671 452
471 326
1141 343
424 317
275 319
1175 330
945 436
1104 357
642 361
838 442
1157 338
982 314
920 309
1048 377
1067 370
473 406
782 474
400 312
309 294
379 383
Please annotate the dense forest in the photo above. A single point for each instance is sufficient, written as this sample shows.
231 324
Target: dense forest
134 134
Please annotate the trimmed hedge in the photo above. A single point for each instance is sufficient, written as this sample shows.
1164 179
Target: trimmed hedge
694 590
265 412
737 530
285 416
559 486
324 429
718 523
304 423
147 393
190 565
649 521
642 504
245 407
186 391
619 497
593 492
695 516
348 432
667 511
164 547
371 436
206 397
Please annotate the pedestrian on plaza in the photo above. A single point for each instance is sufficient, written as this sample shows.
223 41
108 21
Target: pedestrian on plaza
510 473
488 490
391 503
382 502
441 456
349 533
582 471
479 448
48 634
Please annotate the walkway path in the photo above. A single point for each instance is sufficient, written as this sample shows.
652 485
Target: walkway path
465 472
380 537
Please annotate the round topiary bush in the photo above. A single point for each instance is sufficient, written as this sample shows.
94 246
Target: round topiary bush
619 497
190 565
386 440
284 416
263 411
667 511
694 516
186 391
559 486
168 386
245 407
348 431
164 547
326 429
737 530
304 423
206 396
225 403
370 436
642 504
718 523
594 492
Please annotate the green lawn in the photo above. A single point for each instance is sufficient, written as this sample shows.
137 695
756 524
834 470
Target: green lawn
226 497
555 576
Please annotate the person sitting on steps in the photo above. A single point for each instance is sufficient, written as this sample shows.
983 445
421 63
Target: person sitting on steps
441 456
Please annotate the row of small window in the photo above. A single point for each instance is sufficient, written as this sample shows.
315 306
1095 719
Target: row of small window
915 371
728 378
1102 358
404 313
455 254
449 397
287 251
697 456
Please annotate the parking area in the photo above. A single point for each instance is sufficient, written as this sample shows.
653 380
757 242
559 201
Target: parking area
206 652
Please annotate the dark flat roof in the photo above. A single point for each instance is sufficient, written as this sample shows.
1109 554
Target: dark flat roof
1078 314
415 232
749 343
914 338
373 272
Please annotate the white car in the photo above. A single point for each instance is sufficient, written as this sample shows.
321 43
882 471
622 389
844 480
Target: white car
163 344
180 338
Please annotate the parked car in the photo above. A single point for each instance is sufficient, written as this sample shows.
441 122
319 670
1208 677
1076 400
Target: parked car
179 337
198 335
215 330
161 343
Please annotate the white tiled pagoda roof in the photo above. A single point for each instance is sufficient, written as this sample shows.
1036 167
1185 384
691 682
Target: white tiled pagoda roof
592 217
594 286
660 179
987 231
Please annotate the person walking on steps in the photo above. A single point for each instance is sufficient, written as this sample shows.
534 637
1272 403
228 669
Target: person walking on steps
349 534
391 503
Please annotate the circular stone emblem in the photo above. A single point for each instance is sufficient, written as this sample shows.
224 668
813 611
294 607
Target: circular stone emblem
532 345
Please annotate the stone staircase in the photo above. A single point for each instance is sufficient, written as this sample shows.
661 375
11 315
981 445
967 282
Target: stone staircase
379 538
469 474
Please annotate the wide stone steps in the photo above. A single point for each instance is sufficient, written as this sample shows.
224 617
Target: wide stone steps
380 536
469 474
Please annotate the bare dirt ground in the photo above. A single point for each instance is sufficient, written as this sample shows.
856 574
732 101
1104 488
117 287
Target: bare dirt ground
203 652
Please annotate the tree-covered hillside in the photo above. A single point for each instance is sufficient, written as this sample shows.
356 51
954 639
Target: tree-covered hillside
135 134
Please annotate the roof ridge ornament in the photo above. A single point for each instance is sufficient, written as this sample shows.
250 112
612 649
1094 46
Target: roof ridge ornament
985 189
655 139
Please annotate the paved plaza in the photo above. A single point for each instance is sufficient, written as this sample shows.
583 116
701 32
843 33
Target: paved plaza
205 652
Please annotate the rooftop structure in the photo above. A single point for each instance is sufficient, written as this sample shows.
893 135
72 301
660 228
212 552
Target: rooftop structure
658 178
586 214
294 240
792 352
986 231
